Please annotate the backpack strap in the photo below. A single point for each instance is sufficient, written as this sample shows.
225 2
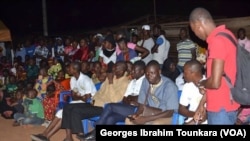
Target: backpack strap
228 80
229 37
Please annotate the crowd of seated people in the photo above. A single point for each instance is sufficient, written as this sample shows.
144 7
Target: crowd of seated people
104 70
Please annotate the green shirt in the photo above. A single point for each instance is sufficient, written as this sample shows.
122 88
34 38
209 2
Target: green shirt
36 107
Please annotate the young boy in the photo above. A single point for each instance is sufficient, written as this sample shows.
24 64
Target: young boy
33 111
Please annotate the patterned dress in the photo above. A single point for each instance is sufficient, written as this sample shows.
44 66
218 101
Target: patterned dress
50 103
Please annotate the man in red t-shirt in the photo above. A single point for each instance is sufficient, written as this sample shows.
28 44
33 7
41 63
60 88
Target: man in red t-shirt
221 109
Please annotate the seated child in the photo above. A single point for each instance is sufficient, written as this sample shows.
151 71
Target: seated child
11 87
7 111
33 111
41 84
17 101
50 102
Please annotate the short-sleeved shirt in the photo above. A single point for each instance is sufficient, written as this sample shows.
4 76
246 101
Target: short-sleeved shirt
163 49
166 94
148 44
219 47
36 108
184 49
83 85
190 97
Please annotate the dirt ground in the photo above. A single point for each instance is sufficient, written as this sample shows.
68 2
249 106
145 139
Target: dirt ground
10 133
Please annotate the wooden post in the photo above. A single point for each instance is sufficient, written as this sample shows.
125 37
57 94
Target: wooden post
45 26
155 12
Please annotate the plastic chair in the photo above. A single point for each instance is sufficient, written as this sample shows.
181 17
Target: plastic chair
178 119
85 122
62 102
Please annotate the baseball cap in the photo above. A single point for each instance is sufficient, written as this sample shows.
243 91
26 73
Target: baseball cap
146 27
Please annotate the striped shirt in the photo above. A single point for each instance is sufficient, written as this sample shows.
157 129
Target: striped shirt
184 49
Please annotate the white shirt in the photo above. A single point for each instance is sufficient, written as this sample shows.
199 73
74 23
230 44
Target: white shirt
179 81
83 85
191 97
134 87
163 51
148 44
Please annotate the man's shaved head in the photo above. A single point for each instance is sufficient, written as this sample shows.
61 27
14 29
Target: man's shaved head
200 14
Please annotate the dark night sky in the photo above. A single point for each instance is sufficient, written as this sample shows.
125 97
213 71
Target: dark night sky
25 16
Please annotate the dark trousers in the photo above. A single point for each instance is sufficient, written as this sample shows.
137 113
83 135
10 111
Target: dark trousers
74 113
115 112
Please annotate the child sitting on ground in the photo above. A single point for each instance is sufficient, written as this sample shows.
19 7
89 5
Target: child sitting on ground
17 101
33 111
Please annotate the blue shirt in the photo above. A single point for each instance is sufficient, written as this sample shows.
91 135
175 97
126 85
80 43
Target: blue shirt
30 50
131 52
165 96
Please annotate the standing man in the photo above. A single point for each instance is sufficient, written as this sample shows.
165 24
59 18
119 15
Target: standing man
242 39
41 52
162 45
186 49
147 42
221 109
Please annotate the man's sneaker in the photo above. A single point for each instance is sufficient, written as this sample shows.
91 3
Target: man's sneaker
46 123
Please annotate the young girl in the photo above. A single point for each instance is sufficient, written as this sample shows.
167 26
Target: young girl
50 102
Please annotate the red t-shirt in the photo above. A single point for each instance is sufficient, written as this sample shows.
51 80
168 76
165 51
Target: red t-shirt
219 47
